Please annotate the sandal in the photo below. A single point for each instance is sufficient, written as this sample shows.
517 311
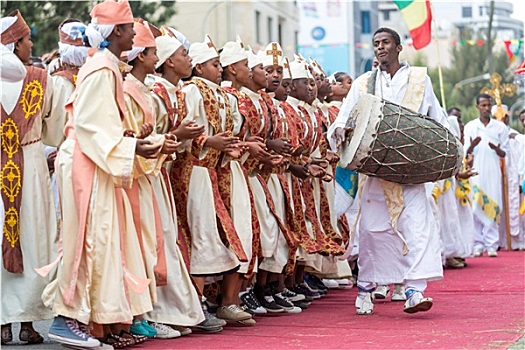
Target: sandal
138 339
117 342
30 335
7 334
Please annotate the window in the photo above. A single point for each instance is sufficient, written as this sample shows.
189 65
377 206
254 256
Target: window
270 29
466 12
258 27
280 30
386 15
365 22
481 11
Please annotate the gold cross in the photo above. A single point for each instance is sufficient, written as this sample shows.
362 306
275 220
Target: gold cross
275 53
497 92
210 43
286 65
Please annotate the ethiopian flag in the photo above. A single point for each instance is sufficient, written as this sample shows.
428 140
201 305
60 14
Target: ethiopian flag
418 17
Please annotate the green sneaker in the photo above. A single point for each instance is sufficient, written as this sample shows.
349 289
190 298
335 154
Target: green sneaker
152 331
138 328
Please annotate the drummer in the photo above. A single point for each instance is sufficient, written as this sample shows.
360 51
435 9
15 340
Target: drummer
398 239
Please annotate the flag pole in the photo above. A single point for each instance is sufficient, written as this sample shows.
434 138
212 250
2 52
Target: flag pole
440 72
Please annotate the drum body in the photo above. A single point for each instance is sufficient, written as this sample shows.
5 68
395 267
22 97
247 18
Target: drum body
399 145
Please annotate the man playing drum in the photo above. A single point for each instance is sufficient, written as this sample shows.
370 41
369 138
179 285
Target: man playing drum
398 237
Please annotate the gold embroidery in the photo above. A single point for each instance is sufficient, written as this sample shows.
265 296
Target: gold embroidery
10 138
75 79
12 226
32 91
11 173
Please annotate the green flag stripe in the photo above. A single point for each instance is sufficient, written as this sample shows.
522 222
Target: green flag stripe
403 3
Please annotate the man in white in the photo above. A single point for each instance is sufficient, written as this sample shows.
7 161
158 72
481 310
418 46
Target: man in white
512 162
488 140
410 254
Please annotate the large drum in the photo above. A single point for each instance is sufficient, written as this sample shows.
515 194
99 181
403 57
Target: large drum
399 145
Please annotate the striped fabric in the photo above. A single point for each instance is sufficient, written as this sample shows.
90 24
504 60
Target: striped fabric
418 17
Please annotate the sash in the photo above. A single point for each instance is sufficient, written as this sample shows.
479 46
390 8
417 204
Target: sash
82 177
15 126
182 167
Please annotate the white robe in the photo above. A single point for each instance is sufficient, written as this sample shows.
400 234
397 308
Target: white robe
209 255
381 258
487 164
514 180
21 293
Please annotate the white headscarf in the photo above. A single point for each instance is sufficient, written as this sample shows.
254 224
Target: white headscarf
7 22
98 33
11 68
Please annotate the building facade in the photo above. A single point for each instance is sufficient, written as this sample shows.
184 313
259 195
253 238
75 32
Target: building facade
257 22
338 34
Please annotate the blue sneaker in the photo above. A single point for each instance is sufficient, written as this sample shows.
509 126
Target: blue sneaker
152 331
67 332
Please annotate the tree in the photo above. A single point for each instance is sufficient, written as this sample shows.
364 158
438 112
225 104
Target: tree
470 61
44 17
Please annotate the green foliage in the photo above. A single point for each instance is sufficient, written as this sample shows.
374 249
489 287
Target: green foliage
44 17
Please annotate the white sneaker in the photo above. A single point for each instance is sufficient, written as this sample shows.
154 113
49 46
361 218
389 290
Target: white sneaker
416 303
364 304
294 310
399 293
345 283
478 251
165 332
382 292
491 252
330 283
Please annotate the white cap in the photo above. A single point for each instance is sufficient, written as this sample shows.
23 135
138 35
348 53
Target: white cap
299 68
203 52
233 52
495 108
178 35
166 46
253 59
272 55
316 67
287 73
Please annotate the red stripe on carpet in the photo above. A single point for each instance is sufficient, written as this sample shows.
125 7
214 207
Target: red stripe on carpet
478 307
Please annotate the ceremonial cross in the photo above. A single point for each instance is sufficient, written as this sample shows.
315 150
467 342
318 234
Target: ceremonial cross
286 65
275 53
210 43
497 92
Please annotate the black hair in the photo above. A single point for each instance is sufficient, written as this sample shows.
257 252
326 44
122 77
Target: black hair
523 111
452 109
340 75
480 96
390 31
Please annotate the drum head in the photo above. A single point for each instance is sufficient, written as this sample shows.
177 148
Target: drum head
367 110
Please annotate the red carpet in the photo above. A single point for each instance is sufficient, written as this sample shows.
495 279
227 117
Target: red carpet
479 307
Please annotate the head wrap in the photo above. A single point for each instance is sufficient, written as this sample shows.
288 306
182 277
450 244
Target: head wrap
71 46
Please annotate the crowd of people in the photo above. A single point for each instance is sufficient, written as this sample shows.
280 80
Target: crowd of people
152 188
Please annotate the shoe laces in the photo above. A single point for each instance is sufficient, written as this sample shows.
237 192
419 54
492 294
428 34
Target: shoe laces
250 296
72 325
234 308
162 327
208 315
288 293
285 298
